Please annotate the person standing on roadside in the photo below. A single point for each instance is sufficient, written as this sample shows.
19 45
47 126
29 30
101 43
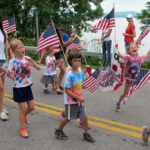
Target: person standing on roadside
130 32
106 46
3 45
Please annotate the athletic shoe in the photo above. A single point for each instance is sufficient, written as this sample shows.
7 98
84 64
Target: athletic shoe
3 116
46 91
60 134
117 107
62 114
87 137
26 119
23 133
61 88
145 134
59 92
5 111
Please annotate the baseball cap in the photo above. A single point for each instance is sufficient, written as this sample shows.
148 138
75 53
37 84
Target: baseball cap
129 16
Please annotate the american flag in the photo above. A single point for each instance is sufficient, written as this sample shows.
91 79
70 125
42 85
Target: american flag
9 25
92 82
75 44
47 39
145 31
143 77
107 22
112 77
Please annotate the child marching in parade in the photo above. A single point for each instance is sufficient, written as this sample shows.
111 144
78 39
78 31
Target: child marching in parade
50 75
19 71
73 98
132 69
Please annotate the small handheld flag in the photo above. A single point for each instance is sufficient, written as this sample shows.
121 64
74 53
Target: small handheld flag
47 39
9 25
145 31
75 44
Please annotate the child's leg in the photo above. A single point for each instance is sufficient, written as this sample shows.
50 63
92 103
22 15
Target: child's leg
126 90
1 94
46 86
22 113
63 122
30 106
59 91
54 86
84 123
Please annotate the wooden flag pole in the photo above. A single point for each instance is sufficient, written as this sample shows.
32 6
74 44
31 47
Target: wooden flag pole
84 57
60 44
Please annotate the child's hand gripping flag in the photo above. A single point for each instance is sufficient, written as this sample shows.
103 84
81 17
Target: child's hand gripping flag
92 82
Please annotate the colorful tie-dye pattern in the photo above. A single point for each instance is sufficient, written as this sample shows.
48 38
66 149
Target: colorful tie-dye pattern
132 66
21 69
50 68
74 82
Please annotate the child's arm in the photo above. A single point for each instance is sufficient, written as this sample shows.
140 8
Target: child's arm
120 55
69 92
34 64
10 75
51 62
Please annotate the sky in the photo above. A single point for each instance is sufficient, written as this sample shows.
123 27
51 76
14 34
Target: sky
124 5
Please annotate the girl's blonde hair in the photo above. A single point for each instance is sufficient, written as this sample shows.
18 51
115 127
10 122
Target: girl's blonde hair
48 50
14 44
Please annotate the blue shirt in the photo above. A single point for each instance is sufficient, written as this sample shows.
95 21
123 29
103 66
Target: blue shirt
65 37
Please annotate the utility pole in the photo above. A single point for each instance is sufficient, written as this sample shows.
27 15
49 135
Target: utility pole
36 22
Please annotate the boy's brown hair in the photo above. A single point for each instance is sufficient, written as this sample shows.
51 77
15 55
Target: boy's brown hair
72 54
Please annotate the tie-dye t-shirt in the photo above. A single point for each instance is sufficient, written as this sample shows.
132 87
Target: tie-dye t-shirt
50 68
132 66
74 82
22 73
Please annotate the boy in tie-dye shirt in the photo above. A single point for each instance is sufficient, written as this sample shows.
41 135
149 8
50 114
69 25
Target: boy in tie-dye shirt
73 98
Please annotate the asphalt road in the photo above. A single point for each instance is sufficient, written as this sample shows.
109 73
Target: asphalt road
112 130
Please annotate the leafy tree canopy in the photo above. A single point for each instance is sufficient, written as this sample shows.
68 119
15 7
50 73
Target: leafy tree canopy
144 16
64 13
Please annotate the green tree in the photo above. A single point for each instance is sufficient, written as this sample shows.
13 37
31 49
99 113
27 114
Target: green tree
144 16
64 13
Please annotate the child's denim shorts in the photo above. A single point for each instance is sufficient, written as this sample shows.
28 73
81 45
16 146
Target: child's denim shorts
2 62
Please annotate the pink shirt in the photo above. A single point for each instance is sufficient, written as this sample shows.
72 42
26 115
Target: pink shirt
132 66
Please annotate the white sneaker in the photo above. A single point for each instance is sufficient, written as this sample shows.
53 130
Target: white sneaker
58 91
3 116
5 111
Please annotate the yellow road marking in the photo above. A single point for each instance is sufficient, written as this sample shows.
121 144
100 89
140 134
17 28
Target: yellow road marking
90 116
115 123
41 104
98 124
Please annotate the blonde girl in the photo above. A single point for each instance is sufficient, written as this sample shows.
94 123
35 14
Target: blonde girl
19 71
132 69
50 75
